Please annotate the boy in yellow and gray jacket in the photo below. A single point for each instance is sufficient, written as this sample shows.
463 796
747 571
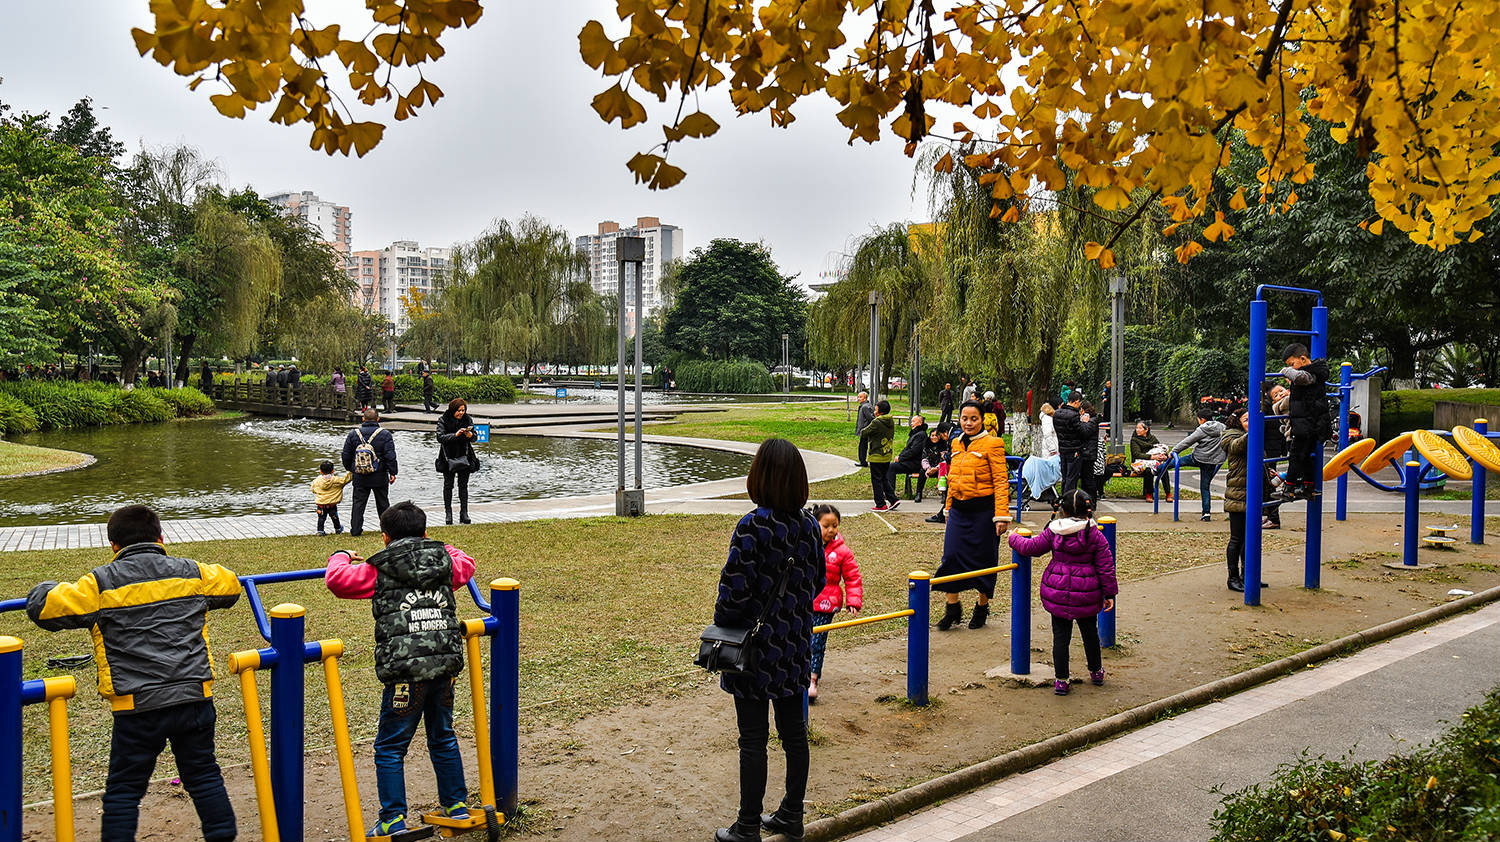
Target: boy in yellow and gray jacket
145 610
328 493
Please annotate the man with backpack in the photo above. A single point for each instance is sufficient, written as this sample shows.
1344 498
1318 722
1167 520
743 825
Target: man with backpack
370 454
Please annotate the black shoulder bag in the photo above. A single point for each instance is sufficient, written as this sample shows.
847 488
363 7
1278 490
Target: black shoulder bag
731 650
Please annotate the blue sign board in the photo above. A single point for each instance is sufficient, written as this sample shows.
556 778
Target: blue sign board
562 392
482 434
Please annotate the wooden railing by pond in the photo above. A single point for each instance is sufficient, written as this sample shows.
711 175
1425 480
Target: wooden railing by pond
301 401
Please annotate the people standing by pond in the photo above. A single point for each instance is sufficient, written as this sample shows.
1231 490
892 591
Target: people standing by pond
862 416
205 378
370 453
456 458
945 404
880 435
1208 455
978 497
364 388
336 380
774 570
388 392
1077 585
429 390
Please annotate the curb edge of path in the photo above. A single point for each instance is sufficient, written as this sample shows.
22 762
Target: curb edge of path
898 804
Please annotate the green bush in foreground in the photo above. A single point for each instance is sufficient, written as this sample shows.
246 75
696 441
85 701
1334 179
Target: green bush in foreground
27 406
1449 790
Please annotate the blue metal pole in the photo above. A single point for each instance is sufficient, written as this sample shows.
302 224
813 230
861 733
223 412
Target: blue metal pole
10 739
1313 559
288 624
1255 456
918 599
505 693
1409 532
1476 494
1346 388
1107 618
1020 611
1176 484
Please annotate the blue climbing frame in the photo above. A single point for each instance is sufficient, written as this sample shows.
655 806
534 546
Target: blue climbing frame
1317 338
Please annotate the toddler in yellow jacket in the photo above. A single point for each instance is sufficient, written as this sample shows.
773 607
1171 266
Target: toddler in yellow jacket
328 493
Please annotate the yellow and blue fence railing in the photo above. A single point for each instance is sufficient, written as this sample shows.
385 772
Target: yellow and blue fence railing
14 694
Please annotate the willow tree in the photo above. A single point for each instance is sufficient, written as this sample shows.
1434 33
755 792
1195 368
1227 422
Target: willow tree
896 261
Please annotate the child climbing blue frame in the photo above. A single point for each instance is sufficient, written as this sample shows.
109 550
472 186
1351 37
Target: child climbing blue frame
1318 347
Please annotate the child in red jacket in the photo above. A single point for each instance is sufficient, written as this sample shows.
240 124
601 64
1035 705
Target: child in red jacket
844 588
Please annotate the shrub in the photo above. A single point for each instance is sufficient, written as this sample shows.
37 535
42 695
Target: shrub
56 405
1447 790
16 417
741 377
481 388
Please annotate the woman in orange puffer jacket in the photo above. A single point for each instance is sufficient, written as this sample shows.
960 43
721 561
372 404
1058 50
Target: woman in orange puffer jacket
843 589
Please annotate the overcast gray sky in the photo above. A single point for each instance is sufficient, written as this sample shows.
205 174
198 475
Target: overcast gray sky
515 134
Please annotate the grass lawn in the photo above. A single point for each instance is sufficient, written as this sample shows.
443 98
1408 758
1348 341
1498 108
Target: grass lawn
611 612
24 459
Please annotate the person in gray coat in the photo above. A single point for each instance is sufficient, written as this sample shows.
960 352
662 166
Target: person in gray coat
1207 445
862 417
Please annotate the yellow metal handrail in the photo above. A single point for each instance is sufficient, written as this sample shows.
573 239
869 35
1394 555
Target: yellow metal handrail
244 664
58 691
954 577
331 650
844 624
473 630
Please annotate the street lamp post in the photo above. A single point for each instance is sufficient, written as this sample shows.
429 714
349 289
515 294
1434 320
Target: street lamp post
876 385
629 502
786 364
916 370
1117 364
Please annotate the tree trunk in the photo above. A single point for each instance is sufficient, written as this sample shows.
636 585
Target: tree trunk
182 363
1403 355
130 364
1041 380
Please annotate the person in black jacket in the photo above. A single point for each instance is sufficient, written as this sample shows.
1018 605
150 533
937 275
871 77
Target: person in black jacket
205 378
456 458
364 388
1308 415
775 569
376 477
909 461
1075 438
945 404
429 401
146 612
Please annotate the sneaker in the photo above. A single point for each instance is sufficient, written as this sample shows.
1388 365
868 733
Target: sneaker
1060 687
381 828
321 532
1206 518
938 518
1269 524
1097 678
879 508
457 811
338 530
892 507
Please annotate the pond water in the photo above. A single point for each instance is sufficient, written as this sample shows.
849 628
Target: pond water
263 466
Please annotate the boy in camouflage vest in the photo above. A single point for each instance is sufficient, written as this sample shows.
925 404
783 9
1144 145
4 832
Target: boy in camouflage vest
419 649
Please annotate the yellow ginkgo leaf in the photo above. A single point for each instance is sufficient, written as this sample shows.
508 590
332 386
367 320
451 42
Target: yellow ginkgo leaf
1376 227
615 103
1238 202
1171 229
1112 198
1187 251
698 124
1012 215
1219 230
594 45
1092 250
1107 259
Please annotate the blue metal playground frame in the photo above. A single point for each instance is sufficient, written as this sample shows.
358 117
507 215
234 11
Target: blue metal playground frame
1255 480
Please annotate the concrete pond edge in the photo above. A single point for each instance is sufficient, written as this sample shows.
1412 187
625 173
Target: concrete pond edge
910 800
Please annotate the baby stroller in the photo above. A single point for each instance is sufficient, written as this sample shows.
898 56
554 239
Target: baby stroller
1039 481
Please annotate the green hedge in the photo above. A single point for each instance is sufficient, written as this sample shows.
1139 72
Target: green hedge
1411 409
1448 790
476 388
733 377
32 405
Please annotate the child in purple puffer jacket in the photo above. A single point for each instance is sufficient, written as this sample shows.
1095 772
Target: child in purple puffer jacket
1079 582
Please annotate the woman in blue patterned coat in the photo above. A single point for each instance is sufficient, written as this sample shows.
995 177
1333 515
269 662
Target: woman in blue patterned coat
778 539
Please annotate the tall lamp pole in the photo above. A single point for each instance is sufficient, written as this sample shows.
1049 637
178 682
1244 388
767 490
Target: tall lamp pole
1117 364
786 362
629 502
876 385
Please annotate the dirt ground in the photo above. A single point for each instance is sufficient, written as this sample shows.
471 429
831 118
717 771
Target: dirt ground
665 767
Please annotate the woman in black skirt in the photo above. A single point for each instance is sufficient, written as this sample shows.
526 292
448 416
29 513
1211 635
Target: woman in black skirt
978 497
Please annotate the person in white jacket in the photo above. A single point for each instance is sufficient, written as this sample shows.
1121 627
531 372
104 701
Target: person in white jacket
1049 432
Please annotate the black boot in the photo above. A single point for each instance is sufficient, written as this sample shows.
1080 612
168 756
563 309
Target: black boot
952 614
1236 578
448 502
981 613
740 831
784 822
463 501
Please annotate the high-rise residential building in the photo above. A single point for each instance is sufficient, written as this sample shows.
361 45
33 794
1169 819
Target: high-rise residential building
383 276
663 244
334 222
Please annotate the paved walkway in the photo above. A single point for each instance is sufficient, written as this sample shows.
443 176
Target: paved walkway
1156 782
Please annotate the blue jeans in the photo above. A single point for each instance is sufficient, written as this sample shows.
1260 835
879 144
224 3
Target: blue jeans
1206 474
820 641
402 707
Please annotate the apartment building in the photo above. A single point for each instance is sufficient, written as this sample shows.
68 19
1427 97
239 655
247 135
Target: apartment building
664 243
334 222
383 276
